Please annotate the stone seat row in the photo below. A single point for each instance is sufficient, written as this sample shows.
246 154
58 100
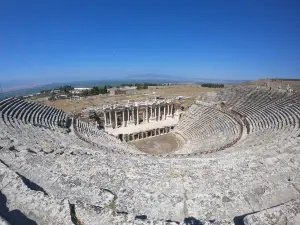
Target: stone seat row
258 99
32 113
92 134
256 173
267 114
17 114
278 114
252 108
270 115
263 100
188 118
206 129
214 118
48 139
22 205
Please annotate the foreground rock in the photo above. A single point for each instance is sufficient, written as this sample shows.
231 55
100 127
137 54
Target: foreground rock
240 168
285 214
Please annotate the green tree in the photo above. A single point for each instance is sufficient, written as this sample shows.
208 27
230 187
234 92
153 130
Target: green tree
212 85
105 89
95 91
66 89
86 93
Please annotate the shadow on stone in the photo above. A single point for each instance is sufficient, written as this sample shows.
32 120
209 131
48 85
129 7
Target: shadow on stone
141 217
239 220
15 217
31 185
4 163
73 215
171 221
192 221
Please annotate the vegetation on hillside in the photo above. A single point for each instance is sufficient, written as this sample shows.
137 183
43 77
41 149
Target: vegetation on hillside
212 85
95 91
142 84
64 89
284 79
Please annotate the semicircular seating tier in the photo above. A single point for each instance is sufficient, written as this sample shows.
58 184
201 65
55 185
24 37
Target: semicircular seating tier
238 117
207 129
51 174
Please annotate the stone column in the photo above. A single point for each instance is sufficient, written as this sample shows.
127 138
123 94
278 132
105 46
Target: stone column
137 115
155 113
110 123
104 119
146 114
144 117
168 109
128 118
151 113
116 120
158 113
132 115
123 118
164 111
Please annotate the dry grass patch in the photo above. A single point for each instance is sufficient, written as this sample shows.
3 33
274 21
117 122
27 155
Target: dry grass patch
71 106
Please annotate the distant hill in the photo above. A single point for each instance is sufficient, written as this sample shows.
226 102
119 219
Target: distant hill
176 79
158 77
37 89
220 81
141 78
27 91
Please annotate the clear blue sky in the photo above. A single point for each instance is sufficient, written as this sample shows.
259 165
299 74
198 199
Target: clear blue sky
56 40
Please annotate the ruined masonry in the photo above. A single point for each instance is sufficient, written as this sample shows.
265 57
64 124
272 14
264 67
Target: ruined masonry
239 163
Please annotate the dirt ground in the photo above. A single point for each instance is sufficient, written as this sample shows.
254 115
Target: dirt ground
72 106
158 145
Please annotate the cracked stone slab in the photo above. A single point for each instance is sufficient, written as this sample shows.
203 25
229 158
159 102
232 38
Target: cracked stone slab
285 214
34 204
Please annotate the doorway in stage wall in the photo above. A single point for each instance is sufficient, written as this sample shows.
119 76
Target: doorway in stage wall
121 137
